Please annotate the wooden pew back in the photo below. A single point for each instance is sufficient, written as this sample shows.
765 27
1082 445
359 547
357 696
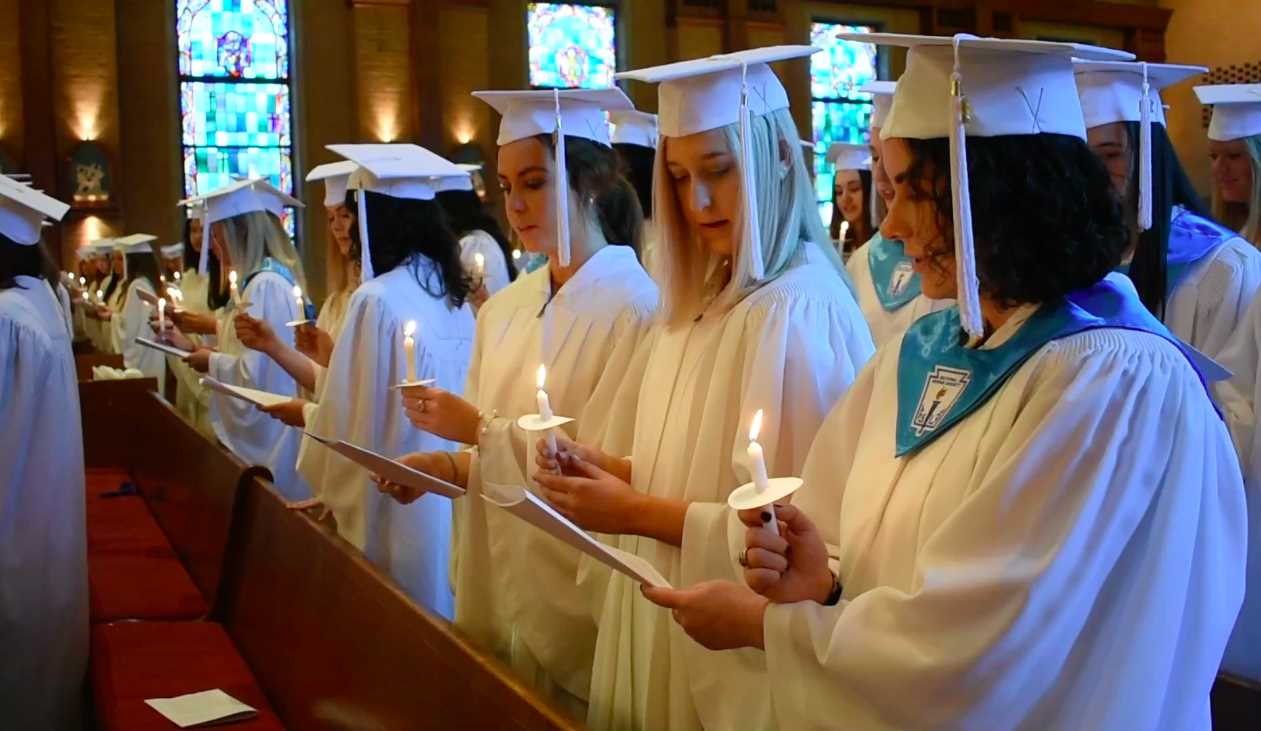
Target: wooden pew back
190 487
335 644
107 411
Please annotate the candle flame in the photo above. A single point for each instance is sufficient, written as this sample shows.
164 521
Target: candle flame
100 294
297 292
757 426
516 254
542 375
409 329
83 281
177 276
481 260
162 278
232 277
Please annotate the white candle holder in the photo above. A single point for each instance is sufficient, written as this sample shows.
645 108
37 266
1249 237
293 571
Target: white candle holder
414 384
747 497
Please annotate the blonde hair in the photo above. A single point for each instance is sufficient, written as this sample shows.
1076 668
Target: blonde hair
252 237
787 213
1244 217
342 274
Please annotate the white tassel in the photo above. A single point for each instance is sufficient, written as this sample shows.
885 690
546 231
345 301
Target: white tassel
969 295
752 225
365 251
1145 157
562 189
203 262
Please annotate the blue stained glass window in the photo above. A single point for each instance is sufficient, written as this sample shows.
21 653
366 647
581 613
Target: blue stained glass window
571 45
840 112
234 93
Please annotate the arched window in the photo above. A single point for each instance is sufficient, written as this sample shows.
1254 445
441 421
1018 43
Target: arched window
572 45
841 113
234 69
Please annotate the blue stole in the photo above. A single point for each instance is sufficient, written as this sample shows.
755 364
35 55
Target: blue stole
892 275
275 267
1191 238
941 381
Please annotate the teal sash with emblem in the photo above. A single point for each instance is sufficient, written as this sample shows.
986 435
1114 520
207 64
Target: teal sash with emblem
892 275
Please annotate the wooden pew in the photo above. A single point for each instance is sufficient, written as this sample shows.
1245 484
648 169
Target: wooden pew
107 414
336 645
1236 703
85 362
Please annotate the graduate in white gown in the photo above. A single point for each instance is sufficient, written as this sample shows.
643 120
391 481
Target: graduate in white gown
1237 116
516 587
249 241
411 274
43 554
307 358
634 137
747 323
131 318
107 300
1195 274
94 295
852 191
484 250
885 282
1234 153
193 313
1047 532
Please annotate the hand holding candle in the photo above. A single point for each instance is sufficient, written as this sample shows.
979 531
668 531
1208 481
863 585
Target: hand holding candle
409 347
545 407
757 465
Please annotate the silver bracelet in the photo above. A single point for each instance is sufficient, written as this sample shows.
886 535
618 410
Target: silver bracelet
483 421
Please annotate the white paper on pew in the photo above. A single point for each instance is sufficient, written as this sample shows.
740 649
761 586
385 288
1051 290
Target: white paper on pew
534 510
168 349
251 395
201 709
389 469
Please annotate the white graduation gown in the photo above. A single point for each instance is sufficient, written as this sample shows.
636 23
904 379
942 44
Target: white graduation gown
791 348
191 397
92 326
480 242
331 319
255 437
132 321
516 587
1067 556
63 298
43 554
885 325
411 542
1207 306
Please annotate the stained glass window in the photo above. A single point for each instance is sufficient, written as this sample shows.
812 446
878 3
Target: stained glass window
234 93
571 45
840 112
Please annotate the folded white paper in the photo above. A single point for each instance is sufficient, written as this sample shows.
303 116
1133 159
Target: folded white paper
168 349
389 469
204 708
534 510
251 395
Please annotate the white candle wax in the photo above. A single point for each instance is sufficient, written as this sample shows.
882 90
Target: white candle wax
236 297
297 297
757 465
545 408
161 316
409 347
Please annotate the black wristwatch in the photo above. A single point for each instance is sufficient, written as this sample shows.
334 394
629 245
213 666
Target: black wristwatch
834 596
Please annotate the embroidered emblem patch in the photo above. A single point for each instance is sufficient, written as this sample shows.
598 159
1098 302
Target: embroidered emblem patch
901 279
942 389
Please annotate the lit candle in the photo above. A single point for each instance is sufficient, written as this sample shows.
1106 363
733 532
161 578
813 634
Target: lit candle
162 278
409 347
236 297
545 407
757 464
516 254
297 297
480 261
161 316
844 231
83 281
177 276
100 296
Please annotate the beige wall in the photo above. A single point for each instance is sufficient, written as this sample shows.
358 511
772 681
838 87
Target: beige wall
1210 33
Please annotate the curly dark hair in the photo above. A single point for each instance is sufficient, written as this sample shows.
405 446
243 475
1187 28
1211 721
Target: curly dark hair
400 227
1045 219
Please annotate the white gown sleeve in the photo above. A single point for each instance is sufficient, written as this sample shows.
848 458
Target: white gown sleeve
1112 476
1223 295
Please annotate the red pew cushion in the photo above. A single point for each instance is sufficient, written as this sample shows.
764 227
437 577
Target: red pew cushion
132 661
139 586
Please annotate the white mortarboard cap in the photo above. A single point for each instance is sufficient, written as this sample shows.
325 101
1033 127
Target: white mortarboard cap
881 99
23 208
237 198
135 243
964 86
848 156
1236 110
170 251
98 247
711 93
399 170
1125 91
558 112
462 181
335 175
194 207
633 127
